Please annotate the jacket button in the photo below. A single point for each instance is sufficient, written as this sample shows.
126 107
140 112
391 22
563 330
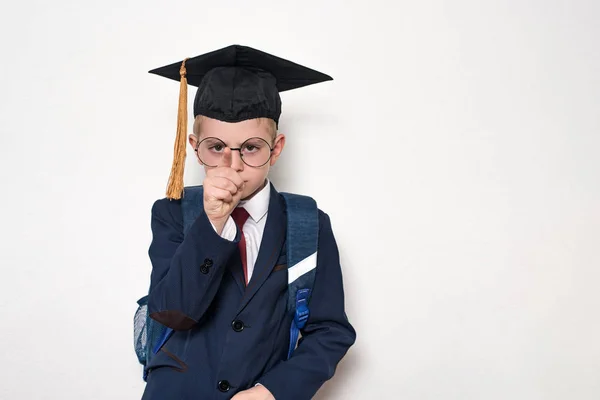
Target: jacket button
208 262
237 325
224 386
204 269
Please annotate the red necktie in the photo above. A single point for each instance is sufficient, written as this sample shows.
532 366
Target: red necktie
240 216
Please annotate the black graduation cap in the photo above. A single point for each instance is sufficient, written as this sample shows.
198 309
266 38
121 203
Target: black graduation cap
234 83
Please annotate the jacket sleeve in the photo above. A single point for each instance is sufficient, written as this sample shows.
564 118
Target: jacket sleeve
186 272
327 335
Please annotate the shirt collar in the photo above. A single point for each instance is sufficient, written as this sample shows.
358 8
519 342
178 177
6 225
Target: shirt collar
258 205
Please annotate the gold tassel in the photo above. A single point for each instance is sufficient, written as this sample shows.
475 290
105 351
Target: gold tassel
175 185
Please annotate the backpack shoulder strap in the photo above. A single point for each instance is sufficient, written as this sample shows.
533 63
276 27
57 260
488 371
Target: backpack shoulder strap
302 241
191 205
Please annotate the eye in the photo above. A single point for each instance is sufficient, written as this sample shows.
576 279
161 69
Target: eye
253 146
217 147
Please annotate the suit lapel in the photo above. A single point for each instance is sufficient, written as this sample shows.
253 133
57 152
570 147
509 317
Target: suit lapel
270 246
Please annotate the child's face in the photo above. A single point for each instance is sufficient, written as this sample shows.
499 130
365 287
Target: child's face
233 135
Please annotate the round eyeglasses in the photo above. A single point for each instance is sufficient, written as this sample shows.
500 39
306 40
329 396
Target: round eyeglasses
254 152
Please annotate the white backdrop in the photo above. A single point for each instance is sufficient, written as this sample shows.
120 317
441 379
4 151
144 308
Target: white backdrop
456 153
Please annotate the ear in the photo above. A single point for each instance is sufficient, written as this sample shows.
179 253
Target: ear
194 142
277 148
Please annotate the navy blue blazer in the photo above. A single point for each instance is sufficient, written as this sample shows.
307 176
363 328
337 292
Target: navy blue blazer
229 337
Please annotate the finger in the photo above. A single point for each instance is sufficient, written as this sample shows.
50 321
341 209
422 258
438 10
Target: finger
229 173
224 183
219 194
224 174
226 158
238 195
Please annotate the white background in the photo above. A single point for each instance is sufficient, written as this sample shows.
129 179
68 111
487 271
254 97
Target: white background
456 153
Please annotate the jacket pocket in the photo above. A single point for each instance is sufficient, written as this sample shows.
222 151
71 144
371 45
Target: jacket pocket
172 353
178 364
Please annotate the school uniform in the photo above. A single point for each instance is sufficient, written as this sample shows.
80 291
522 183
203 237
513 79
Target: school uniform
231 322
229 336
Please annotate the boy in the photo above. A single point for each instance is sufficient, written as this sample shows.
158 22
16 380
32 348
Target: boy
223 286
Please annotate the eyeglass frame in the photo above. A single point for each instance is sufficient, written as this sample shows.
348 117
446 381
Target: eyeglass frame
239 149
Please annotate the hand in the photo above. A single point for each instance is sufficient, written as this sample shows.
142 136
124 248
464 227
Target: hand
223 188
258 392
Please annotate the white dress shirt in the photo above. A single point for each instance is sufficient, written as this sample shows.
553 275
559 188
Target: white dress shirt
257 207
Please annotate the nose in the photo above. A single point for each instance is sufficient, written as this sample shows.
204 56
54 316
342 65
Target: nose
236 160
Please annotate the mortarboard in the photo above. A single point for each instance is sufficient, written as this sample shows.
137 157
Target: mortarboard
234 83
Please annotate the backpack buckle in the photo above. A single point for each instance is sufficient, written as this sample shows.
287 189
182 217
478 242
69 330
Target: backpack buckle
302 311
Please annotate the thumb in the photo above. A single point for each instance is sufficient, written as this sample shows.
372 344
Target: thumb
226 158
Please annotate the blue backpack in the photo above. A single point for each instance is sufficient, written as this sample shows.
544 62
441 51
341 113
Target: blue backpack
301 240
